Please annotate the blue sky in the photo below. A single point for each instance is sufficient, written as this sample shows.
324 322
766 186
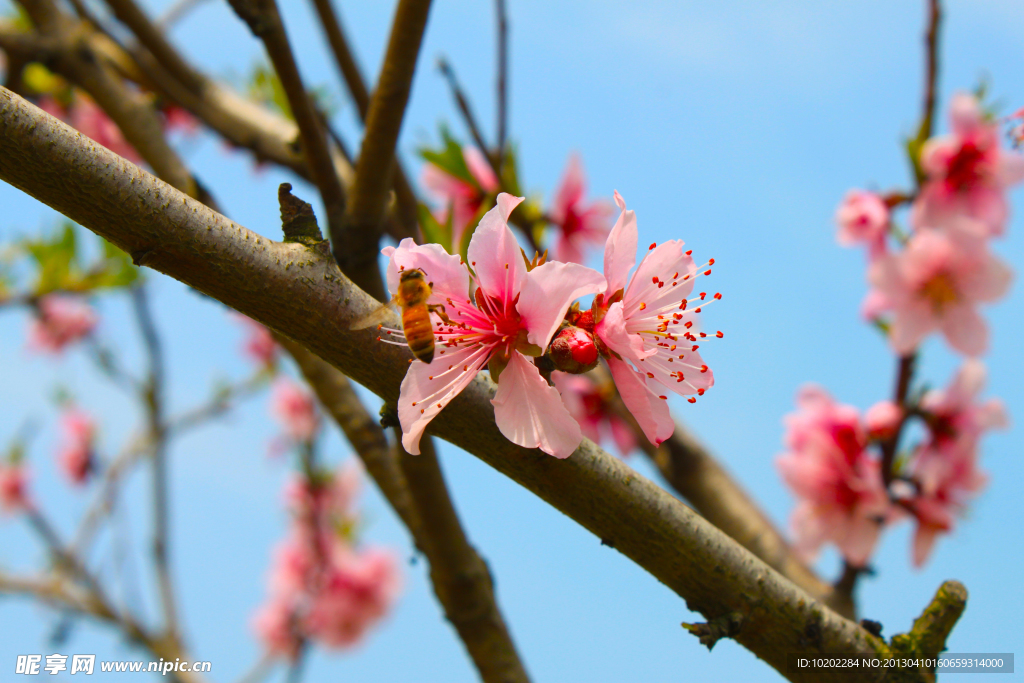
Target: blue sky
737 128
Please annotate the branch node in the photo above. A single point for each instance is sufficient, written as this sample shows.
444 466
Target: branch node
142 257
927 637
389 416
297 218
726 626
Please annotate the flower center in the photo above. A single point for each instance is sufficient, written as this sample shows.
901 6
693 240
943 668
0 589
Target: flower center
966 168
940 292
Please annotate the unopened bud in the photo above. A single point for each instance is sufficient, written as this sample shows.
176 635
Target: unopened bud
573 350
882 420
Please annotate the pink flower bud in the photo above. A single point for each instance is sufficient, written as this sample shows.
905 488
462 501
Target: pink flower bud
882 420
60 321
13 488
294 408
573 350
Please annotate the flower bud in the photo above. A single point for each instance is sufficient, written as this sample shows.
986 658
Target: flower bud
882 420
573 350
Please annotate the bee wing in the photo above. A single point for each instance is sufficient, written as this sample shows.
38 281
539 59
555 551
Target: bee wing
376 317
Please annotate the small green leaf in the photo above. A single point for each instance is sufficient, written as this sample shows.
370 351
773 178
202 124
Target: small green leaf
432 230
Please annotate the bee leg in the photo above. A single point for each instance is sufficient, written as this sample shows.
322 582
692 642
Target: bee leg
439 309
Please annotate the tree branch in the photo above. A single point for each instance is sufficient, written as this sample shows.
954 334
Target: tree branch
358 258
502 81
294 289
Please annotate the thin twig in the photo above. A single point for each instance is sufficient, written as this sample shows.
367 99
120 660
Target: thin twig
889 447
155 40
462 102
264 20
357 253
153 398
176 13
502 81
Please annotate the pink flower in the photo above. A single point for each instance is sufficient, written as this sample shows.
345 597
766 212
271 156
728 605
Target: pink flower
179 119
967 173
294 408
13 487
76 452
842 498
579 225
863 217
259 345
462 198
647 323
274 623
359 589
588 405
509 317
60 321
935 284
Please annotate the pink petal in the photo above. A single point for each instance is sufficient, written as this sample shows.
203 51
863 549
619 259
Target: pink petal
494 253
622 435
965 115
427 389
650 411
986 282
859 540
924 541
447 273
530 413
547 292
1011 168
570 189
612 331
910 326
480 169
965 330
620 249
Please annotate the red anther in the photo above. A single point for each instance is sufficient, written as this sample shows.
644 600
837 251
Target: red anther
676 275
450 367
690 251
719 334
703 368
660 285
422 411
702 295
438 405
663 398
707 272
401 267
474 263
697 310
506 266
651 375
414 404
703 335
718 295
692 399
686 277
642 305
682 305
689 324
694 348
653 245
378 338
711 261
673 348
680 379
465 368
654 279
661 317
431 377
700 392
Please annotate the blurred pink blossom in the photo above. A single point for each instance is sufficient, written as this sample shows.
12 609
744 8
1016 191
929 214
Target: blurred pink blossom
275 625
863 217
87 117
259 345
936 284
647 322
179 119
59 321
76 452
579 225
589 407
882 420
839 487
462 198
968 173
293 406
945 468
13 487
516 313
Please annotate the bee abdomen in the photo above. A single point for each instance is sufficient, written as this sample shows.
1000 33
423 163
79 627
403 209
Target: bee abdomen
418 332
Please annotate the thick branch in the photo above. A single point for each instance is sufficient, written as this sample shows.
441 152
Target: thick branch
294 289
374 167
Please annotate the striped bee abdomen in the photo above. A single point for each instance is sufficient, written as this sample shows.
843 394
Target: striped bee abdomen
418 331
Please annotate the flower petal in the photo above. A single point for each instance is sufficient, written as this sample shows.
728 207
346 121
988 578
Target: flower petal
965 330
910 326
530 413
651 411
446 272
570 190
612 331
494 253
547 292
988 281
620 249
427 389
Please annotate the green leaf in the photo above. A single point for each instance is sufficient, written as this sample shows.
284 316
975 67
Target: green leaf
55 259
432 230
450 159
265 86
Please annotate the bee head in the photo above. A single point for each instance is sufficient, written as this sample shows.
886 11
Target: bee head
411 274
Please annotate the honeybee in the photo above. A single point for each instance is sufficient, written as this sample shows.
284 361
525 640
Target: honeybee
411 299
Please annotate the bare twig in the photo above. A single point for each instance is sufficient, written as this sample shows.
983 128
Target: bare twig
889 447
462 102
176 13
502 81
931 42
132 16
153 399
288 286
358 257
